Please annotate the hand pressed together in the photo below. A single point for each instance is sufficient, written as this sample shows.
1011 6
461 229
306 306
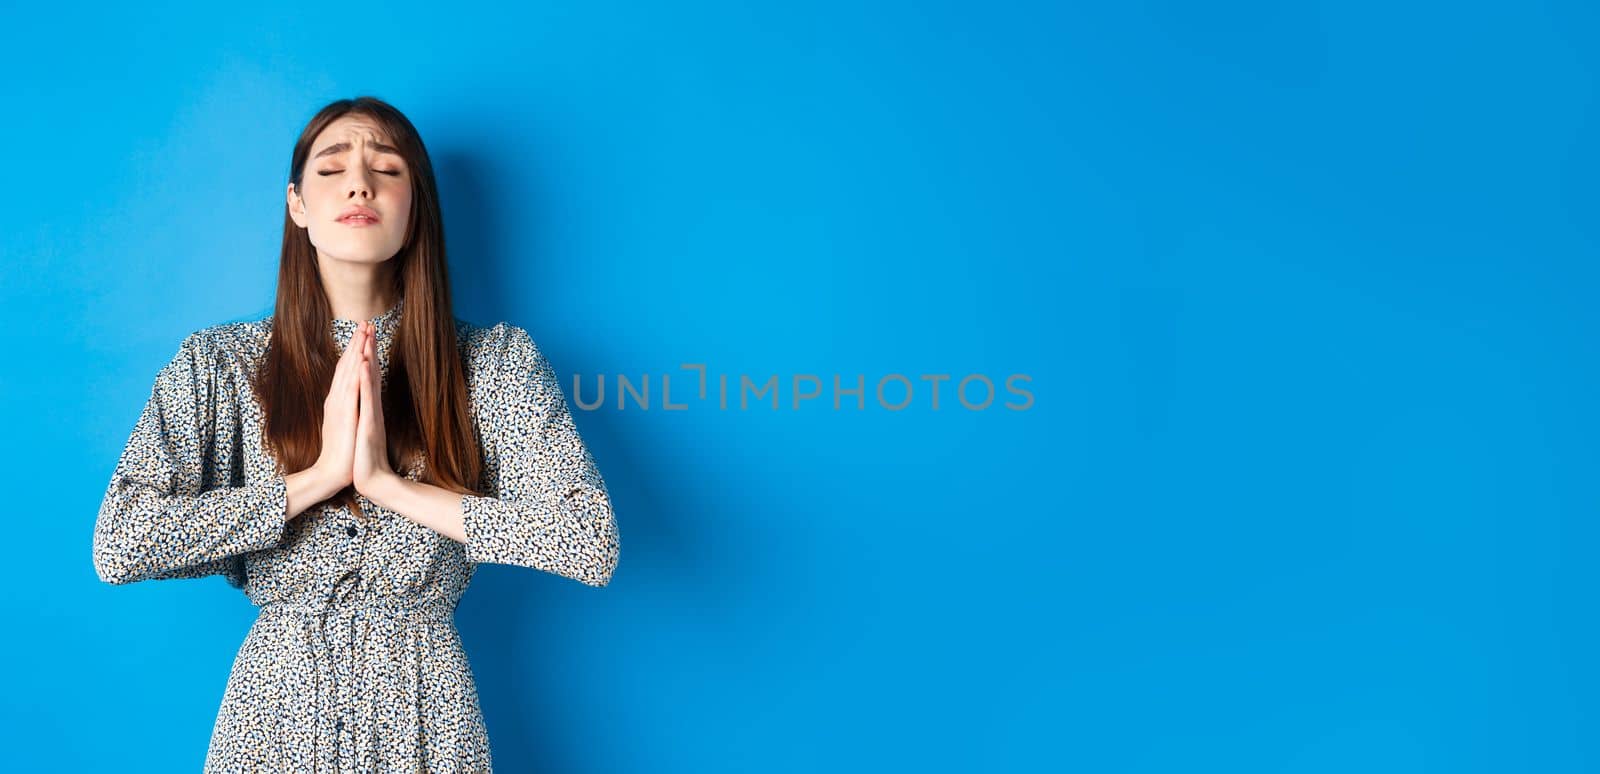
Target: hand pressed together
354 446
371 463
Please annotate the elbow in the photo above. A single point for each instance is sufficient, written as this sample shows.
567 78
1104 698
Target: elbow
110 565
117 579
113 562
601 576
609 551
115 559
604 545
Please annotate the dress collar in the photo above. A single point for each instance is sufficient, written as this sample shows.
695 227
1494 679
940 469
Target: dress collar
385 324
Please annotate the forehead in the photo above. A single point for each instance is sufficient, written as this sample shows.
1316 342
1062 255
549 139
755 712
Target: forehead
351 132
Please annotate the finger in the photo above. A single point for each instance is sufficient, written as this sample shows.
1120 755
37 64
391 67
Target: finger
364 401
375 387
355 339
358 344
350 355
370 364
349 364
375 381
372 350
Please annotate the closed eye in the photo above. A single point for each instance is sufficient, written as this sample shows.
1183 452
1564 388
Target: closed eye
327 172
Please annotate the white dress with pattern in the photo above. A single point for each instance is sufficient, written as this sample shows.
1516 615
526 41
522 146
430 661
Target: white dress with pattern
354 663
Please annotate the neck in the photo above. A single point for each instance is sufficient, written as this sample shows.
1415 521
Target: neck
357 291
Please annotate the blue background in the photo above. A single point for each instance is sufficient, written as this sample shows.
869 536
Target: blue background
1306 292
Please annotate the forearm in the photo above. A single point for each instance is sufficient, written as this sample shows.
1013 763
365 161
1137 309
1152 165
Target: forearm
145 530
305 489
436 508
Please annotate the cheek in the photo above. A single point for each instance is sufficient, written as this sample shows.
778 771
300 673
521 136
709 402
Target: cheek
318 198
402 208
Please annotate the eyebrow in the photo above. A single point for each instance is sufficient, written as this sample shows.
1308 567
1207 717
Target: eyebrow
341 147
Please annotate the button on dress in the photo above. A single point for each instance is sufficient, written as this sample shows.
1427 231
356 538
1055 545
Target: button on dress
354 662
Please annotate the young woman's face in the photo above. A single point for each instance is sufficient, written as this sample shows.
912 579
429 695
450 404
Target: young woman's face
352 166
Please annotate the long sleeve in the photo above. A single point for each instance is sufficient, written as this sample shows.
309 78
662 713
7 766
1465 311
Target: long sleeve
169 512
549 508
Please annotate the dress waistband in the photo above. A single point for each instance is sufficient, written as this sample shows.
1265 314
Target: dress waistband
430 608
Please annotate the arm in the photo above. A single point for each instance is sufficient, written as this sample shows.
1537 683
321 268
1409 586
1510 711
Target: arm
165 514
548 508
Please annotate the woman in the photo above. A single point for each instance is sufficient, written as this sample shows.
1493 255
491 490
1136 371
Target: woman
270 452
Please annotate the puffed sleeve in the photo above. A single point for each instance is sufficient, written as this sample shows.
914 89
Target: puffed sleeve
548 508
169 512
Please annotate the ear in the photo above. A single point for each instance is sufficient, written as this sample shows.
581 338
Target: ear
297 206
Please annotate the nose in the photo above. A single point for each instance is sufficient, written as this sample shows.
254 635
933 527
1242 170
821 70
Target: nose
360 184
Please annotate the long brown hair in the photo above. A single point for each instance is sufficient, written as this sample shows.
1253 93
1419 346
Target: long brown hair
426 415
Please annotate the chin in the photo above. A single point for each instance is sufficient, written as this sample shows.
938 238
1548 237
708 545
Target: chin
359 254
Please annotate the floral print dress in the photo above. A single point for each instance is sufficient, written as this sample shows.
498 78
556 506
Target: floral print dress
354 663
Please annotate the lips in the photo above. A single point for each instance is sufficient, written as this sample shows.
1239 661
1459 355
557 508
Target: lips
358 216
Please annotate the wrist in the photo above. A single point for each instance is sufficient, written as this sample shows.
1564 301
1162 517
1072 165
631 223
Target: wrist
382 488
326 481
